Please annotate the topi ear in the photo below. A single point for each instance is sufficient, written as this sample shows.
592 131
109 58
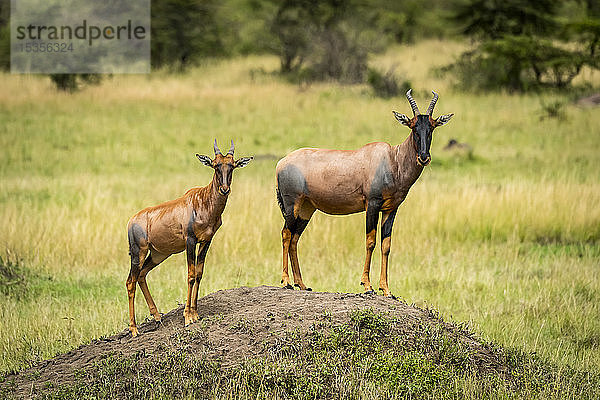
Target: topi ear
443 119
242 162
205 160
403 119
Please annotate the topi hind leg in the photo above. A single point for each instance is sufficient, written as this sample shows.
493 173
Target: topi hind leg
151 262
295 264
304 214
138 256
286 237
289 227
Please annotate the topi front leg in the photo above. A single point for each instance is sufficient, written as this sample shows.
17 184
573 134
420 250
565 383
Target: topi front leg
373 208
387 221
151 262
191 278
138 256
198 275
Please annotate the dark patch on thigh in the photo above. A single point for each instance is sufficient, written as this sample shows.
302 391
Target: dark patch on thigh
136 234
291 183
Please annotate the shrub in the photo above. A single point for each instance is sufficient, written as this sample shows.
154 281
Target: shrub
71 82
323 40
386 84
523 46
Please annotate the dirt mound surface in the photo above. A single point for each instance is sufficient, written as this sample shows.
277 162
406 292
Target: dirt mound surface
244 323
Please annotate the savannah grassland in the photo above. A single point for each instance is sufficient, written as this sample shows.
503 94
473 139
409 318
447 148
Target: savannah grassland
508 240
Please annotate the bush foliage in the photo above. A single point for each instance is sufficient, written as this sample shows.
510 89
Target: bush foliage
523 45
386 84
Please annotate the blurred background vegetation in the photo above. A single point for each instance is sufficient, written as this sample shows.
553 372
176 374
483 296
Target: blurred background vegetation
517 45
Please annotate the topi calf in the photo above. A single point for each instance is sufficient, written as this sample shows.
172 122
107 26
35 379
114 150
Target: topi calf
171 227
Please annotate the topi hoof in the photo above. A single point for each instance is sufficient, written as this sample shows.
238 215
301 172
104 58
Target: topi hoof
305 288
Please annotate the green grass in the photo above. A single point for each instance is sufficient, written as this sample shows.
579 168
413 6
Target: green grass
508 240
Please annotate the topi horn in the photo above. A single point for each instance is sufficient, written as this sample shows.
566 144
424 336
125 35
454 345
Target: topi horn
231 149
217 151
412 102
432 105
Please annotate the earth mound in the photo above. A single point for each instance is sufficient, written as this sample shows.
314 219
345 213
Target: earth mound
268 334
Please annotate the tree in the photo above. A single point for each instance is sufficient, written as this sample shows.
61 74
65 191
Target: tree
523 45
183 31
324 39
292 27
493 19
